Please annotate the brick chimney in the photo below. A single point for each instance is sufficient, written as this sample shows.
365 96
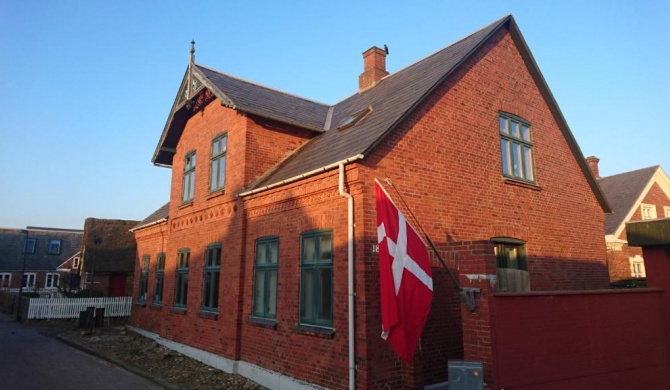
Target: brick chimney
374 68
593 164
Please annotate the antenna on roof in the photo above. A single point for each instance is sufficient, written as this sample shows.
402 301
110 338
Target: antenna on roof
386 49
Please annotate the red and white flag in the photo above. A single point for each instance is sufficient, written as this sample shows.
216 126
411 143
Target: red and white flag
406 278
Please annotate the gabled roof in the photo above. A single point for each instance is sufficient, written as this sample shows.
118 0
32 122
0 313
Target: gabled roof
157 216
625 191
389 102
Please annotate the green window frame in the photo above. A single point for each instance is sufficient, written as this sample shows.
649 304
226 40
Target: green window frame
266 266
189 177
181 279
160 275
144 279
210 285
516 146
218 165
316 278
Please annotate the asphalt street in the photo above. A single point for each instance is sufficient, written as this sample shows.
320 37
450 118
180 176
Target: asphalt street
30 360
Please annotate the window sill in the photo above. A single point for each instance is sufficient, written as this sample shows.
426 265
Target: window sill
317 331
216 193
140 304
156 306
186 205
208 315
263 322
521 184
178 310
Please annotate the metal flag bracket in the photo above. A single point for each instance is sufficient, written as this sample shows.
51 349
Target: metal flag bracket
468 296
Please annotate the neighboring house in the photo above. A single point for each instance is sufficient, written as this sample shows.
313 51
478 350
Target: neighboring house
634 196
69 272
272 213
43 250
108 256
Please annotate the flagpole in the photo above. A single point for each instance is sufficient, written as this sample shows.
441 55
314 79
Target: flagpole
430 242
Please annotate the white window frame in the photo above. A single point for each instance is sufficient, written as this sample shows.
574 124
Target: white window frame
50 278
29 276
75 263
5 279
667 211
648 211
637 269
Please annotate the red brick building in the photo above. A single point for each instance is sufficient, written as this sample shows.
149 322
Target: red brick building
634 196
263 262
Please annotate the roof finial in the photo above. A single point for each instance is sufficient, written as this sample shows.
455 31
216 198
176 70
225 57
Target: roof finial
192 51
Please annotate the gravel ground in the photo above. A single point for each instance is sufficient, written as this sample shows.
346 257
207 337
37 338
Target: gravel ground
171 369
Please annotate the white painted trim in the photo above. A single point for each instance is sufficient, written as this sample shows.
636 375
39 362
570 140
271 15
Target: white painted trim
27 275
666 211
260 375
2 279
53 275
663 181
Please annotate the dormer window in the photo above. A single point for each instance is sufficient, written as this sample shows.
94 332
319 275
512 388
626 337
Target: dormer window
354 118
54 247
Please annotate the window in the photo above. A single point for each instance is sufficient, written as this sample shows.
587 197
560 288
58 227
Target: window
648 211
29 246
181 283
316 278
5 280
75 263
516 148
54 247
637 267
667 211
51 280
189 177
210 288
219 150
28 280
511 264
265 277
144 279
160 272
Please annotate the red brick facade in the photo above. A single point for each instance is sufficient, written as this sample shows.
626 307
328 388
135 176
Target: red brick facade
445 160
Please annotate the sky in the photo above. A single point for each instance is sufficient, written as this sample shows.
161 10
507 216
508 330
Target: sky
87 86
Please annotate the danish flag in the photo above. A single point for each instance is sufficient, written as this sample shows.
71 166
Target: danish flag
406 280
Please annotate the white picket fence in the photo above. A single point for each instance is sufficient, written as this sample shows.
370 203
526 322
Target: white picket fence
62 308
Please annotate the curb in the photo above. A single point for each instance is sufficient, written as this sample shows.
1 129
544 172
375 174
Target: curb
128 367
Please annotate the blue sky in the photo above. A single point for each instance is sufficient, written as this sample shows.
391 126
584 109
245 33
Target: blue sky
87 85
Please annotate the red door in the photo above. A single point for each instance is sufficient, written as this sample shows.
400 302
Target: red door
117 285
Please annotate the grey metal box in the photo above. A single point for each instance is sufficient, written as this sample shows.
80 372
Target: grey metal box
465 375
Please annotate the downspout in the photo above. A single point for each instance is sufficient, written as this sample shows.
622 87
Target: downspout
350 258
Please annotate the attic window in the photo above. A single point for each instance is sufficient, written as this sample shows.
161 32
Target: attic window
354 118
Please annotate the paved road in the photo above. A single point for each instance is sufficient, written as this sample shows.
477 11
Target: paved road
29 360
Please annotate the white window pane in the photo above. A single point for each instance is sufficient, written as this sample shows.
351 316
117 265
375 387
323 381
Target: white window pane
308 250
505 150
261 254
528 163
308 294
525 133
514 129
272 293
326 247
503 125
222 172
215 175
516 160
274 252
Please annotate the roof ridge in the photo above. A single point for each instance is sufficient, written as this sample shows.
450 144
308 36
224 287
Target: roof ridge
262 85
653 167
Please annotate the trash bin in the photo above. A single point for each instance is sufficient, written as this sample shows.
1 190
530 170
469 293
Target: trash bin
99 317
